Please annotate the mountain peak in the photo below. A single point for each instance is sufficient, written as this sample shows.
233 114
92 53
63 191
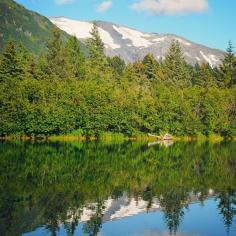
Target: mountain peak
132 44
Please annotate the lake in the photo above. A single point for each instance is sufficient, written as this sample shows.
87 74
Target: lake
130 189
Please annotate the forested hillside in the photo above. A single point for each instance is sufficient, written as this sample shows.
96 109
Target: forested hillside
62 92
27 27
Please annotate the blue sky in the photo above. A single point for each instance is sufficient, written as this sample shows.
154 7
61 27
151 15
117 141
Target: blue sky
208 22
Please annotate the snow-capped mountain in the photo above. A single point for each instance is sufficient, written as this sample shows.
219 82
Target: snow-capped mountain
132 44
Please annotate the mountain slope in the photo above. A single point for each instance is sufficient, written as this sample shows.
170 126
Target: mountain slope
22 25
132 44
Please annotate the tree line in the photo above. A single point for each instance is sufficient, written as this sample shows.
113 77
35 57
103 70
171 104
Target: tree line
64 91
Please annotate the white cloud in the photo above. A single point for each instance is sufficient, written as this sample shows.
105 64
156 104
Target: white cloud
104 6
170 7
62 2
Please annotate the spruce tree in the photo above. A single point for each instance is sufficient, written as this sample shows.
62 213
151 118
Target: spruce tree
57 65
117 64
11 65
96 47
33 69
228 68
12 73
150 66
75 57
204 76
176 69
23 56
54 45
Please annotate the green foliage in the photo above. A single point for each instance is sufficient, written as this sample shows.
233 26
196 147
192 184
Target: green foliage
117 64
96 47
75 56
228 67
177 71
57 63
12 63
63 91
204 76
150 66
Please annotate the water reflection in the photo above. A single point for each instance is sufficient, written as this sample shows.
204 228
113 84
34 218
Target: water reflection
165 143
88 184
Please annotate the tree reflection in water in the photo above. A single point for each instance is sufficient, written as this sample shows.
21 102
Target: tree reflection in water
52 184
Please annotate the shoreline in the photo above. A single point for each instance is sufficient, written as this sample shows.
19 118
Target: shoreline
112 138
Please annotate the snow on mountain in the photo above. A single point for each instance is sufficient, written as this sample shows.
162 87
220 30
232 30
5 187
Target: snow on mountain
82 29
138 39
132 44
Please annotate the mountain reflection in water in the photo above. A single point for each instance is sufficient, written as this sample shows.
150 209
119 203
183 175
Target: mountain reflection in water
98 189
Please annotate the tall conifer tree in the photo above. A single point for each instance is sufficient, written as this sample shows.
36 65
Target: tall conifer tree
117 64
150 65
228 67
57 67
11 65
204 76
96 47
176 69
75 57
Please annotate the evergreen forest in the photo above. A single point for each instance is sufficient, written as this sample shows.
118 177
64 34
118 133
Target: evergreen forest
64 92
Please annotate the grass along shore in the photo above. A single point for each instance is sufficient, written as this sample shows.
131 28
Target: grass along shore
110 137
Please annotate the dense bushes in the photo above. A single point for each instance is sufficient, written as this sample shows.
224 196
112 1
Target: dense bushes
62 91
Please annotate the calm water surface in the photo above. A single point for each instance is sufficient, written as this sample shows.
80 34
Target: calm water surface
130 189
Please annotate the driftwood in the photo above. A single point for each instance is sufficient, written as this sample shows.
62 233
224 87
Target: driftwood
162 137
